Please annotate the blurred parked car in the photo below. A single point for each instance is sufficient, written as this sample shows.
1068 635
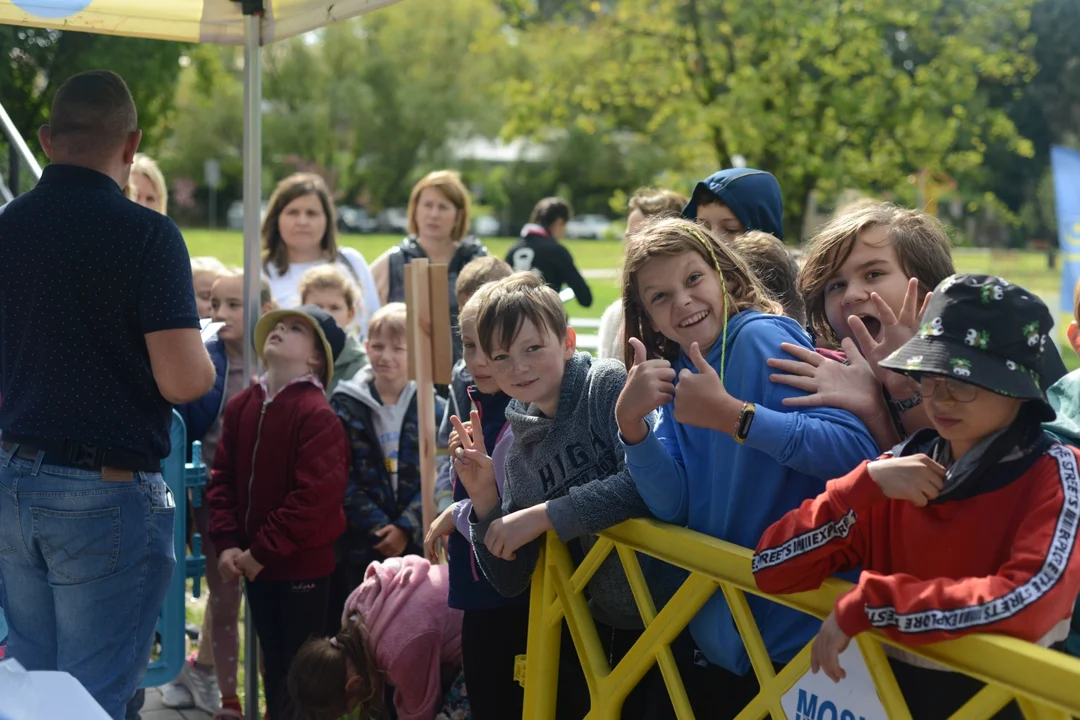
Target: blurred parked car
355 220
587 227
234 218
393 220
485 226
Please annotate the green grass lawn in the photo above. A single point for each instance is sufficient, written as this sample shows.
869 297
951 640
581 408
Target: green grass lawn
228 246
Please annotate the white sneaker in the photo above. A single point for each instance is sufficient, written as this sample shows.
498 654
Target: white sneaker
176 696
203 686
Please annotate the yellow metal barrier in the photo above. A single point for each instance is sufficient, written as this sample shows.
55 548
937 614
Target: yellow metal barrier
1045 683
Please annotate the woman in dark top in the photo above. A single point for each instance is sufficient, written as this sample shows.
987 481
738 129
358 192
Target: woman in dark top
438 220
540 251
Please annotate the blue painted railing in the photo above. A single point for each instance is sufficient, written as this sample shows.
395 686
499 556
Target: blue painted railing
172 626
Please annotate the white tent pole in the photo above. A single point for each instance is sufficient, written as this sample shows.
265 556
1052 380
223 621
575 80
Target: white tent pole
252 244
16 140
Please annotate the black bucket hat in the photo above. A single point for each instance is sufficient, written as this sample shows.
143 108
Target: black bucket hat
984 331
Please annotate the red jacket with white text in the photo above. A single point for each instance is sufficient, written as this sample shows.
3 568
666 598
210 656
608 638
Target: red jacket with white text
277 487
998 560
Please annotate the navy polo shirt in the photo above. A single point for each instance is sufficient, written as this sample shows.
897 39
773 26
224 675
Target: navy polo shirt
85 273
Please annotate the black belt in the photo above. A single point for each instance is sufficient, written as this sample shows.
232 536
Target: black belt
86 456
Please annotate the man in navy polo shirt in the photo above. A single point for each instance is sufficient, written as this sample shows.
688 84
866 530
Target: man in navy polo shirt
99 336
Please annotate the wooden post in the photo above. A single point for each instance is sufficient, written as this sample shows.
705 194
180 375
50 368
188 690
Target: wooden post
428 335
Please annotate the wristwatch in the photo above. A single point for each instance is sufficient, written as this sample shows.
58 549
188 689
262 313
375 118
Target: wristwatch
743 423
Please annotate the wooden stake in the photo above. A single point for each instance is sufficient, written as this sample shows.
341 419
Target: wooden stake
442 348
419 327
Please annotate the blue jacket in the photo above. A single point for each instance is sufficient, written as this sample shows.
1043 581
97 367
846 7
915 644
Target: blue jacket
704 480
199 415
753 195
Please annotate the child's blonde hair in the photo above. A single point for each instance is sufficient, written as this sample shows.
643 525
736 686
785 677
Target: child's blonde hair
508 303
206 265
478 272
388 322
266 296
921 243
669 237
775 268
144 165
323 667
330 277
652 201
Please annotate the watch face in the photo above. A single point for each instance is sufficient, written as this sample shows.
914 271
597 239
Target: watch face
745 420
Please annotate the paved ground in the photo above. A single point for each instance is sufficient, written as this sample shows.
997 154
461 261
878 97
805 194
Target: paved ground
154 710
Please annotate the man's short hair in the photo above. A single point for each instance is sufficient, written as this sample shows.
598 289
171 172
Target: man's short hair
92 112
480 271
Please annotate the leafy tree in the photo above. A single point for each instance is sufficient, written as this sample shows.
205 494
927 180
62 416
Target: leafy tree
39 61
850 93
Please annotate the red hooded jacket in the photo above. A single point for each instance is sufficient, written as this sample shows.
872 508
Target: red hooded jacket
278 483
1002 561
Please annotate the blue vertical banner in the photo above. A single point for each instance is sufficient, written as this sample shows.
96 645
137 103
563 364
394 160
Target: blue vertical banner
1066 166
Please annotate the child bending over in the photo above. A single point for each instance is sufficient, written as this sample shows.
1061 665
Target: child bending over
398 638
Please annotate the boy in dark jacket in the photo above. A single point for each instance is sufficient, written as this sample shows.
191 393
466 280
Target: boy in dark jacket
277 485
476 274
378 408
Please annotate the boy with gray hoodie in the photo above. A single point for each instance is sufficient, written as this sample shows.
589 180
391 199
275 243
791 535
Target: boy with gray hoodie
565 470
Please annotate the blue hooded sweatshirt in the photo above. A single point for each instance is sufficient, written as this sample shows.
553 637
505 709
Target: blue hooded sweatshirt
704 480
753 195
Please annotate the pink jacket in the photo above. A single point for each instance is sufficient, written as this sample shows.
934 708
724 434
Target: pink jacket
413 631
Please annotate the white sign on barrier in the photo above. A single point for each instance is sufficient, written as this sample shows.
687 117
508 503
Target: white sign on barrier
816 697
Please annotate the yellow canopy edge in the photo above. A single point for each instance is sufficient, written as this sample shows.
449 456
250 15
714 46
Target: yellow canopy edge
211 21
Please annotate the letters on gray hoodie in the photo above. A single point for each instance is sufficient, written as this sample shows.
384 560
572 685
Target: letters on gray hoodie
575 463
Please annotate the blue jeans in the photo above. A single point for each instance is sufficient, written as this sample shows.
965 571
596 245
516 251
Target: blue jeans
86 564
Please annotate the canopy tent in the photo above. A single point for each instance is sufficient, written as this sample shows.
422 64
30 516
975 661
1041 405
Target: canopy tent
207 21
251 23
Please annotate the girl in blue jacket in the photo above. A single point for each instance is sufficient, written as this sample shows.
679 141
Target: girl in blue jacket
727 458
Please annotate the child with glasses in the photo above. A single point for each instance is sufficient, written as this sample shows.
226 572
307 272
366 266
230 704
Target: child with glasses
985 484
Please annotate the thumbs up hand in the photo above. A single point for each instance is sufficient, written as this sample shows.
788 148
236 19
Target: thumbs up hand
649 384
700 398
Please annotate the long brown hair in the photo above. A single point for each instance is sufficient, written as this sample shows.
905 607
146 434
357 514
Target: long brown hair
292 187
449 184
322 668
921 243
668 237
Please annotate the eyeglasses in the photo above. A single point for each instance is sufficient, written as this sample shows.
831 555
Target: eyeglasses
961 392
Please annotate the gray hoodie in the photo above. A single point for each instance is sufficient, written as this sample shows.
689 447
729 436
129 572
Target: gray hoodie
576 464
387 419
